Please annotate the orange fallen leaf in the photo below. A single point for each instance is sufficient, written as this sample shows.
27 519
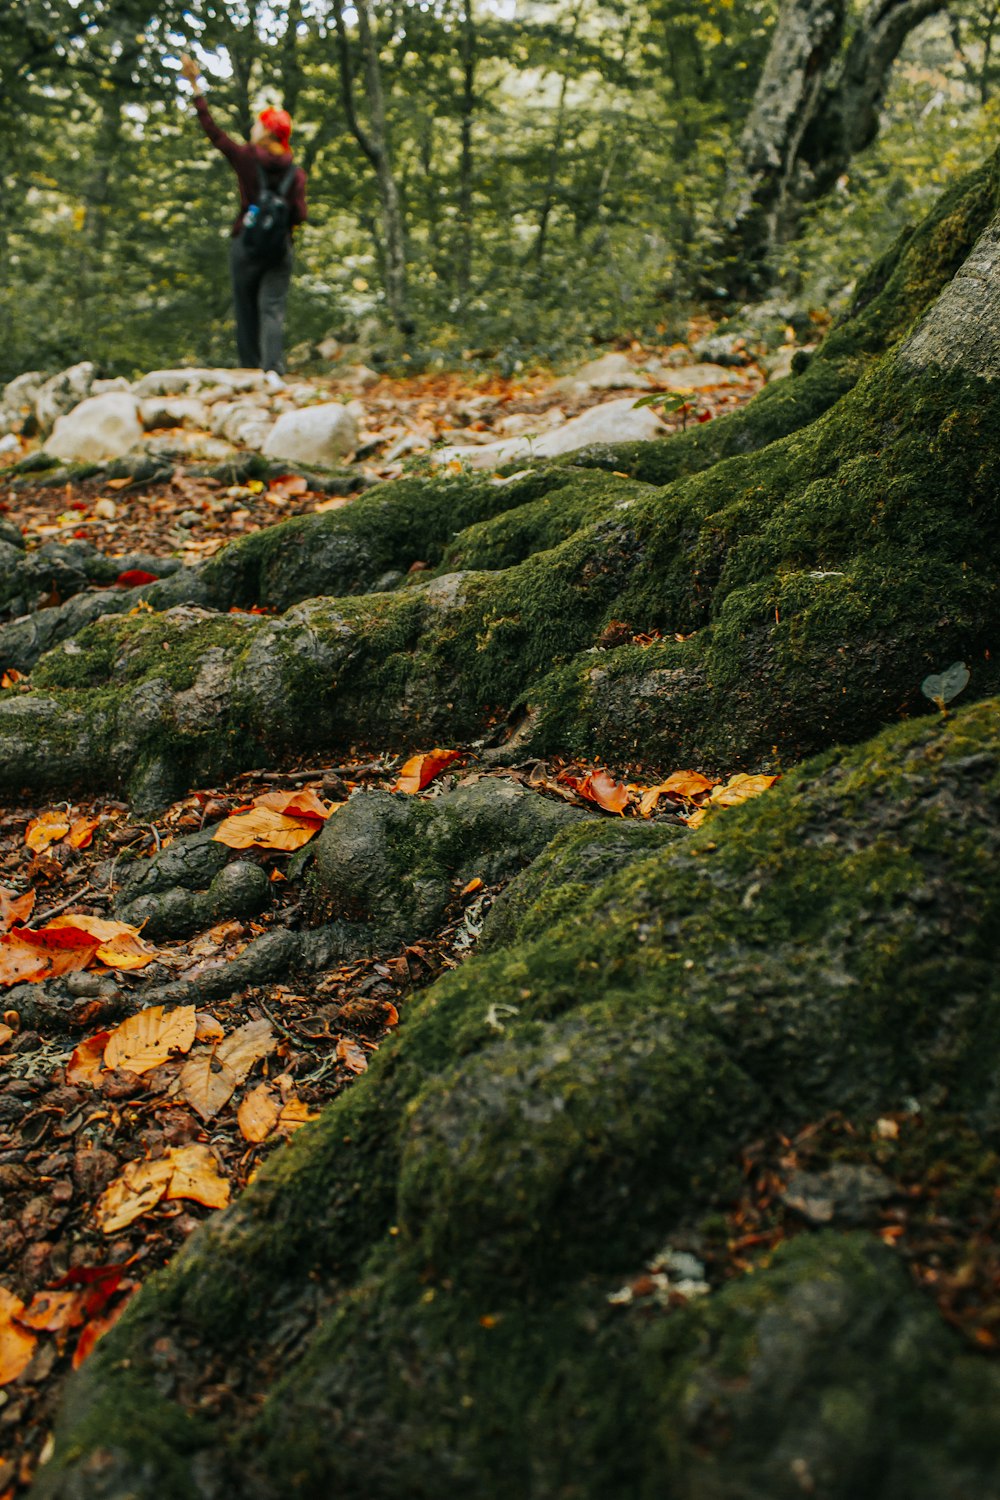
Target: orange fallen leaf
48 828
14 908
139 1188
11 678
351 1055
686 785
121 945
302 804
87 1062
288 484
195 1175
257 1114
52 1312
741 788
81 833
420 770
209 1079
6 1032
28 956
207 1028
17 1345
97 1328
474 885
601 788
263 828
145 1041
294 1115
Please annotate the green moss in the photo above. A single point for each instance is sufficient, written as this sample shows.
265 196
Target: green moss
450 1231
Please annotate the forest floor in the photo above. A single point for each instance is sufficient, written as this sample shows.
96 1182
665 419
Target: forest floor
84 1217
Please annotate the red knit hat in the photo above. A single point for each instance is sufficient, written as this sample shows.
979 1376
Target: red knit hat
277 122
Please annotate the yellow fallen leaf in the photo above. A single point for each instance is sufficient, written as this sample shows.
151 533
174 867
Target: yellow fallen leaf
257 1114
139 1188
145 1041
196 1176
121 945
17 1345
48 828
246 1046
741 788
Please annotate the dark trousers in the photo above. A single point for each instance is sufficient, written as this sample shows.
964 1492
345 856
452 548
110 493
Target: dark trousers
259 297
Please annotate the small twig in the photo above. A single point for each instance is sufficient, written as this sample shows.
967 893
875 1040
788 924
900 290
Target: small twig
294 778
54 911
280 1026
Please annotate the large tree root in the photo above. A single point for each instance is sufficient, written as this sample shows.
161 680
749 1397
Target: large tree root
422 1295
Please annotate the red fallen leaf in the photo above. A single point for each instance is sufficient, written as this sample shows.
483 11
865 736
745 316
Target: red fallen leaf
30 956
133 577
420 770
704 416
81 534
102 1281
96 1329
77 505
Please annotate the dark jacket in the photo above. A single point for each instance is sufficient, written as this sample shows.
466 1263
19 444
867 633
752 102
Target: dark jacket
245 160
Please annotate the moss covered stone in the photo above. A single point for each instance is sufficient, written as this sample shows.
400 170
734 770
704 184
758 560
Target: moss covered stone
447 1238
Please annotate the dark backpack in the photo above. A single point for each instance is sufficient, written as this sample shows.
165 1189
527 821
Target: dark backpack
268 222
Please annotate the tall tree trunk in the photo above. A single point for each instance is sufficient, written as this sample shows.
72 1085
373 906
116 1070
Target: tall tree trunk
555 152
817 104
374 142
291 62
463 260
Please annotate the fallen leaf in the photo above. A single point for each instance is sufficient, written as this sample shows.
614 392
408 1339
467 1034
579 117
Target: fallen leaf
11 678
121 945
420 770
685 785
52 1312
245 1047
351 1055
740 788
206 1084
139 1188
288 484
294 1115
87 1062
257 1114
29 956
48 828
99 1282
302 804
14 908
6 1032
145 1041
263 828
196 1176
133 577
96 1329
474 885
207 1028
81 833
605 791
17 1345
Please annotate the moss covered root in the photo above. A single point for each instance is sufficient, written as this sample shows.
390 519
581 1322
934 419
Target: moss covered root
418 1296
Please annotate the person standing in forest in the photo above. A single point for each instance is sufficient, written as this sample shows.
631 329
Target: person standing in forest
272 205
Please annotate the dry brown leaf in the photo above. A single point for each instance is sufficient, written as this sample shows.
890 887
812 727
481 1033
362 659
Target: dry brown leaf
206 1084
17 1345
294 1115
196 1176
207 1028
48 828
420 770
87 1062
139 1188
121 945
257 1114
351 1055
145 1041
246 1046
263 828
14 908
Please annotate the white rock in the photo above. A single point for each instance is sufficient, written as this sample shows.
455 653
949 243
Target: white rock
10 443
359 377
177 411
17 403
613 422
245 422
105 509
612 372
194 380
685 378
104 387
329 349
99 428
315 435
191 447
60 393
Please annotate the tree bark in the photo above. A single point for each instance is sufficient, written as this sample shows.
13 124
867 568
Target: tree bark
817 104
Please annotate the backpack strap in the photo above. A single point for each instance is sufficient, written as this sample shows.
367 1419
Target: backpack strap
286 182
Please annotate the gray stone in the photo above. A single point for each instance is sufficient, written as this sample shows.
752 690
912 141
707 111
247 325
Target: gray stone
612 422
17 403
319 435
177 411
99 428
612 372
60 393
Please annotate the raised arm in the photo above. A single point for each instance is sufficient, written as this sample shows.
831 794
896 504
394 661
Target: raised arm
222 142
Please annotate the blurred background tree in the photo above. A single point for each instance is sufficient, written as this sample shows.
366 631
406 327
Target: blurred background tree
502 180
